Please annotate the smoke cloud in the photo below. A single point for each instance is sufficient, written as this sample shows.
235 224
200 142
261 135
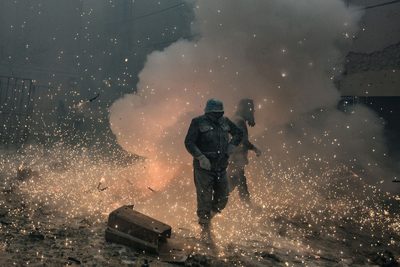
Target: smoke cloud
282 53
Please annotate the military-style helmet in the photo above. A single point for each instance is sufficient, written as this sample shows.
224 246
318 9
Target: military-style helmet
246 105
214 105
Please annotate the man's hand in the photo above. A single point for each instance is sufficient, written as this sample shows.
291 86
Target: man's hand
257 151
230 149
204 163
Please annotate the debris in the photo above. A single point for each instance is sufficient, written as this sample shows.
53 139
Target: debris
73 260
129 227
152 190
271 256
101 189
132 228
94 98
85 222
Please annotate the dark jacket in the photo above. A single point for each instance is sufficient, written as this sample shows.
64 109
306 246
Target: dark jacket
211 138
240 154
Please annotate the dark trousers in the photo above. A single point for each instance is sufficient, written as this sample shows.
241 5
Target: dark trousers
212 193
237 178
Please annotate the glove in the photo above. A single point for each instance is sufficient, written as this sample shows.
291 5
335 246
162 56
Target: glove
230 149
204 163
257 151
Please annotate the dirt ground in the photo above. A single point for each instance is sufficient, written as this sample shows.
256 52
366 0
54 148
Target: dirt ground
340 229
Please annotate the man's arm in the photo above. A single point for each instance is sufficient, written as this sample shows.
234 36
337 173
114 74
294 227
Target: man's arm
236 132
245 141
191 138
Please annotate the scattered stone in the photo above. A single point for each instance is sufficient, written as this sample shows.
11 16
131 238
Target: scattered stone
86 222
73 260
36 236
271 256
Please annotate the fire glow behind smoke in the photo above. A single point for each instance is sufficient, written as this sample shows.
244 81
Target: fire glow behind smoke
283 54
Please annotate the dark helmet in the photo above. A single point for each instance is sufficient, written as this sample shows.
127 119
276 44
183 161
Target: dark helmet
246 110
214 105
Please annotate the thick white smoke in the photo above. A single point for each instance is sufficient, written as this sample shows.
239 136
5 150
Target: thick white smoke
282 53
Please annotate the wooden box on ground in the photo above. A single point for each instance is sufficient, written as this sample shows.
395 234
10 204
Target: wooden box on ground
132 228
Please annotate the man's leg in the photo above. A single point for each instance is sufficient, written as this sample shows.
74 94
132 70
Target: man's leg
221 192
203 181
232 177
242 186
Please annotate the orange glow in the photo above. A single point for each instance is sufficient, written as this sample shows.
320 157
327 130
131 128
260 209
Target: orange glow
154 175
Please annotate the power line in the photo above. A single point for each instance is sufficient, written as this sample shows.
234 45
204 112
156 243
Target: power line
149 14
156 12
382 4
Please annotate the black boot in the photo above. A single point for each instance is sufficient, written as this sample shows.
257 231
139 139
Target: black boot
205 234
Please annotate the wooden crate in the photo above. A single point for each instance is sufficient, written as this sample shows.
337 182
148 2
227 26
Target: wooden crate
132 228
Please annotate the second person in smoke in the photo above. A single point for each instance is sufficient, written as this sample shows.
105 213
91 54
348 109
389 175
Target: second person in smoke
244 116
208 141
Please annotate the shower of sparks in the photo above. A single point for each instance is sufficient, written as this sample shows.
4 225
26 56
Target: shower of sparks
295 209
